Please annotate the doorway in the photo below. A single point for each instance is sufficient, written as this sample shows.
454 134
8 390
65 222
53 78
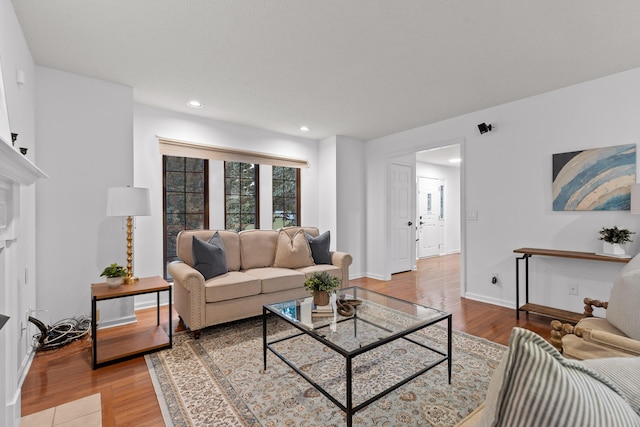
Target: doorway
431 221
442 165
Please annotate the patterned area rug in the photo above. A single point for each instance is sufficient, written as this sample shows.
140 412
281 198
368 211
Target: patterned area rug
219 379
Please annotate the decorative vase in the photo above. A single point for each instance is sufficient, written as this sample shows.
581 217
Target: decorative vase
320 297
613 248
114 282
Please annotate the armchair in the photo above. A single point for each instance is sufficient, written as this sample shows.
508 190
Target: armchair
616 335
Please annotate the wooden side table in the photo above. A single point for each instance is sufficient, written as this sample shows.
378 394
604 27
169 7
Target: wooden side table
111 350
556 313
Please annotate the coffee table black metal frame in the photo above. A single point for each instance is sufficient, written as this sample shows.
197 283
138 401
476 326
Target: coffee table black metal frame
318 335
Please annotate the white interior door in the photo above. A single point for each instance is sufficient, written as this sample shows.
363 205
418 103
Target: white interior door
401 210
430 218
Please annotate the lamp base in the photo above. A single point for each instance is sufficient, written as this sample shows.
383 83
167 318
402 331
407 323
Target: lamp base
130 280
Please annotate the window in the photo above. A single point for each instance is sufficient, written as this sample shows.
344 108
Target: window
241 196
286 197
186 201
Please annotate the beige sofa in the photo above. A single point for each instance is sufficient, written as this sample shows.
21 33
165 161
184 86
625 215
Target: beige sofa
252 279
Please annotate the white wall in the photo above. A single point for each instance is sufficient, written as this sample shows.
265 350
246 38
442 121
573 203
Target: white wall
507 180
84 131
451 176
149 123
327 188
351 212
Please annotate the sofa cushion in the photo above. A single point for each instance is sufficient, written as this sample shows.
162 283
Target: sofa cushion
258 248
622 311
234 284
320 247
541 388
209 257
293 250
278 279
329 268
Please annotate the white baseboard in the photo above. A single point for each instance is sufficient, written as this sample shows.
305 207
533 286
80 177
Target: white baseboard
374 276
117 322
493 301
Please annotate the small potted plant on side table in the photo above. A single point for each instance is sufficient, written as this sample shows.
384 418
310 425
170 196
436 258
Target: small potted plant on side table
115 275
613 239
320 285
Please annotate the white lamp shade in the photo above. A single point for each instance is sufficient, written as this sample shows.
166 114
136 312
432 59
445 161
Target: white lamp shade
128 201
635 199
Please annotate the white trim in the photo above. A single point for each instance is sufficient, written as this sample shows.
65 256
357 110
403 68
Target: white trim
175 147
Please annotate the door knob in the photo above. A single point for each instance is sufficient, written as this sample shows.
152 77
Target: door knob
410 223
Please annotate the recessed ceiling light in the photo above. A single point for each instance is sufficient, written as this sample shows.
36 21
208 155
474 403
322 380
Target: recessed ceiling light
194 103
304 128
455 160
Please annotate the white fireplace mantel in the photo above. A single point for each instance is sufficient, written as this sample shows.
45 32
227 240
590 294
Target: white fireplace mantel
16 167
16 172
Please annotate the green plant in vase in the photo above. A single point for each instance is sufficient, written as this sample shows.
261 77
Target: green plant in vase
614 238
115 274
320 285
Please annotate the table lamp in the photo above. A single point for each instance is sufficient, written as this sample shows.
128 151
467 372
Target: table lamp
129 202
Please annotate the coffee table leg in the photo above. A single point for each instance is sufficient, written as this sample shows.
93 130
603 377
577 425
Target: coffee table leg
349 394
449 346
264 337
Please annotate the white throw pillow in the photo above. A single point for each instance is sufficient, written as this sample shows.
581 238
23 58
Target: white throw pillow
624 302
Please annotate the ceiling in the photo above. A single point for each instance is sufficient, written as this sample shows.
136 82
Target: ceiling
440 156
359 68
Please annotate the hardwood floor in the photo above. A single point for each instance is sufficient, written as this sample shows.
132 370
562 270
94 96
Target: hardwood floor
128 397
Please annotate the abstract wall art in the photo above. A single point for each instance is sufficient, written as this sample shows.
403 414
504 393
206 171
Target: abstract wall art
595 179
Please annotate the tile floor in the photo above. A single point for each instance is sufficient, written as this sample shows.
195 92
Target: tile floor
85 412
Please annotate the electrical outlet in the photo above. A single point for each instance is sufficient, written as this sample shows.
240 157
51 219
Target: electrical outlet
494 278
573 289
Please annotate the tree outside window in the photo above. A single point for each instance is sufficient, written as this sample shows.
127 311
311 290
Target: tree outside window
186 202
286 197
241 195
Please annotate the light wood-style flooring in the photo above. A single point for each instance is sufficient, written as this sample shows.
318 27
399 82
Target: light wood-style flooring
128 397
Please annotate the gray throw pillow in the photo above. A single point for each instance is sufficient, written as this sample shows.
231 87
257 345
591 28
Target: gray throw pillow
320 247
209 258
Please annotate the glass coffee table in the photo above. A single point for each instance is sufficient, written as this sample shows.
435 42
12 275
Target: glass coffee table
379 320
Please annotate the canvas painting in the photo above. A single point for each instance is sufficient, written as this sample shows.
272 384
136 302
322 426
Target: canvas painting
595 179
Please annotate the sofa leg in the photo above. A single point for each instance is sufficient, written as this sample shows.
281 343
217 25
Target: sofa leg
196 334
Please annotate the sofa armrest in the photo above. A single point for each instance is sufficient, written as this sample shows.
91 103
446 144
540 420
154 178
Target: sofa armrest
616 342
188 294
595 336
342 260
590 304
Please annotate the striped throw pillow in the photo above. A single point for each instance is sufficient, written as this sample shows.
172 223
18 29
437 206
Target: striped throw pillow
542 388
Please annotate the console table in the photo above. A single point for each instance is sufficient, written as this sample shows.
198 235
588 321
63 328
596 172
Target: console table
556 313
110 350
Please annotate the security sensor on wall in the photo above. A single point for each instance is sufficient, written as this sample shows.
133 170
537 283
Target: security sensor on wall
484 128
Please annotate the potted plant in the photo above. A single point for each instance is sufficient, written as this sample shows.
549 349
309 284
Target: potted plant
115 275
614 238
321 284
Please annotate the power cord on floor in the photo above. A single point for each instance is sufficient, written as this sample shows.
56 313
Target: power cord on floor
60 333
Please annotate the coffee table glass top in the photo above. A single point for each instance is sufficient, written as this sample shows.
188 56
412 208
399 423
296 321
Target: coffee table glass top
378 317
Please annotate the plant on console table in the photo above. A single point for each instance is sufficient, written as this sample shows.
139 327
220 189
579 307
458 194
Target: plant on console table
614 238
115 275
321 285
